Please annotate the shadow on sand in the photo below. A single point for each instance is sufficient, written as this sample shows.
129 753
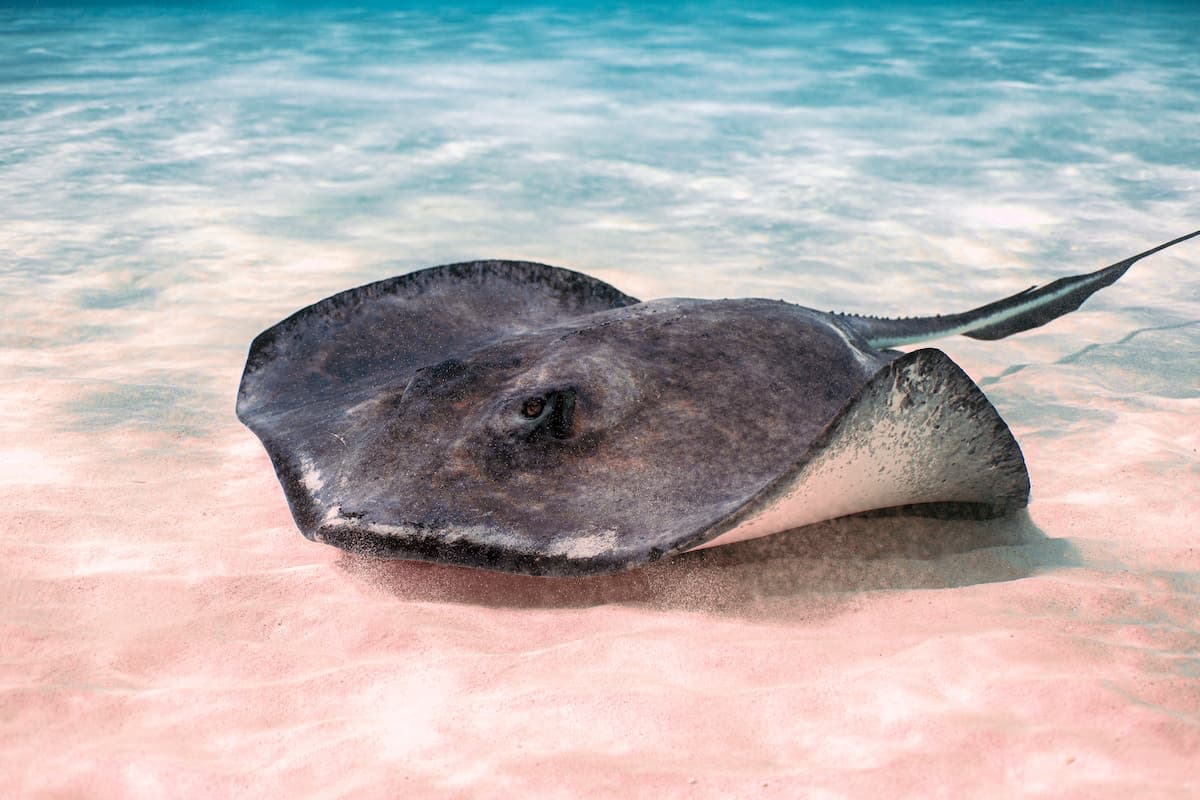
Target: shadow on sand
827 563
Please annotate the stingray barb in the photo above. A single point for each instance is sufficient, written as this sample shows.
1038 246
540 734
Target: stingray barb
520 417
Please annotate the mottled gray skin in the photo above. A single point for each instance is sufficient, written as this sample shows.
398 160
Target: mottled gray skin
515 416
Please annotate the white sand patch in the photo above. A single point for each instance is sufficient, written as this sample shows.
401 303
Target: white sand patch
25 466
1093 498
106 557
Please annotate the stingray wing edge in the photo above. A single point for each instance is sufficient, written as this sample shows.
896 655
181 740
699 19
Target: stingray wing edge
919 434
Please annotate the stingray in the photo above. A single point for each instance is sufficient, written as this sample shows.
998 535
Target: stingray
520 417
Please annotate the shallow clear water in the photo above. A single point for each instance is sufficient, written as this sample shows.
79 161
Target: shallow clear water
174 181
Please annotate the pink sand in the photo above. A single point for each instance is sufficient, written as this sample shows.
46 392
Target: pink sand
168 633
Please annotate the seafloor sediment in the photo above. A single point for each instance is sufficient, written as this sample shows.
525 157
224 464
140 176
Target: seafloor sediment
173 182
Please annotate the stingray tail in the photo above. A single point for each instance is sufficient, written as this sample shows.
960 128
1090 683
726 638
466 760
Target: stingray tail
1024 310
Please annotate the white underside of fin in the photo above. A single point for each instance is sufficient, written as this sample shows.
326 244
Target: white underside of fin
920 432
842 480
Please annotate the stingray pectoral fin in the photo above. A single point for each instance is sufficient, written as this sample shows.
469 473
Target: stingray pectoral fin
920 432
1030 308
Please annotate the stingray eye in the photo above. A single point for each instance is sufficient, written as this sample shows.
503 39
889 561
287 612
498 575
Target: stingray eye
533 407
552 413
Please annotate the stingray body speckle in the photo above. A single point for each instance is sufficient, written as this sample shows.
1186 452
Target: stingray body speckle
520 417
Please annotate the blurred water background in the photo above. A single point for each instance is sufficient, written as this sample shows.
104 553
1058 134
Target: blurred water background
175 178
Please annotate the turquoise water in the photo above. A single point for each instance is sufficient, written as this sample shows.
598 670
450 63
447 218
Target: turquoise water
775 138
173 180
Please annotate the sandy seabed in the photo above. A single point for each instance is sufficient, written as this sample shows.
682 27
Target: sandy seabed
166 632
